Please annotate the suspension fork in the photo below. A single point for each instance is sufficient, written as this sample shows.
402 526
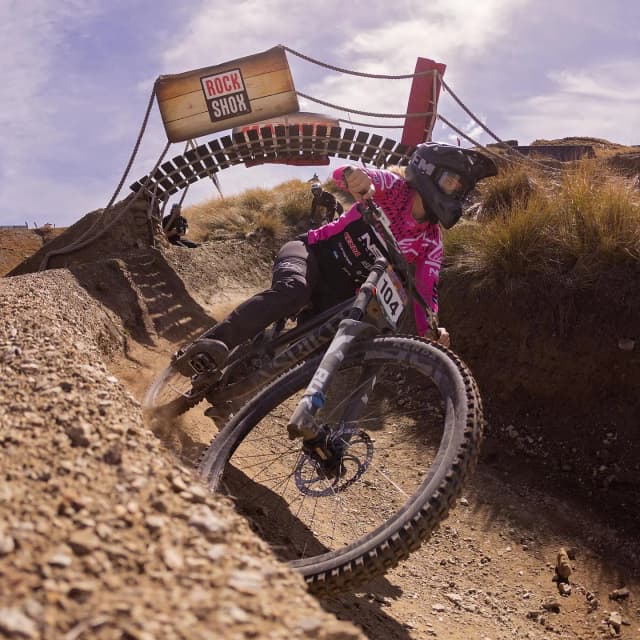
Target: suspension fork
302 422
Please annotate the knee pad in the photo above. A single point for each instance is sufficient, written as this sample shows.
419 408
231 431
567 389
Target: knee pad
293 291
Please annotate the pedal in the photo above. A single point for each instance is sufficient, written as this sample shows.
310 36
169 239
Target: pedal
293 432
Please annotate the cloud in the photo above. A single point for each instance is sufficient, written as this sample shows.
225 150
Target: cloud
601 102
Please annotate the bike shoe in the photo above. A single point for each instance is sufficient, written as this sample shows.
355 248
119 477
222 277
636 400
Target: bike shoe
202 356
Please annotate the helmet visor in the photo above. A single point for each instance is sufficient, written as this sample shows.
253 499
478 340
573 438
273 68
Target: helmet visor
450 183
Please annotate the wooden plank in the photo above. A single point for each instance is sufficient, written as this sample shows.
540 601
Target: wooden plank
293 135
334 138
219 154
159 176
266 133
255 145
229 148
345 144
202 164
385 150
193 103
205 156
358 146
185 169
225 96
399 153
320 140
307 138
194 162
372 147
173 172
241 145
280 134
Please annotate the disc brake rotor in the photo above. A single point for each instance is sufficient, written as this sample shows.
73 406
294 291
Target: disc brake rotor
311 475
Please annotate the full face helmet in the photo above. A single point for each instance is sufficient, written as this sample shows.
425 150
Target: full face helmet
316 189
444 175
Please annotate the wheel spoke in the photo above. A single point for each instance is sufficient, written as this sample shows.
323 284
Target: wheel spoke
382 450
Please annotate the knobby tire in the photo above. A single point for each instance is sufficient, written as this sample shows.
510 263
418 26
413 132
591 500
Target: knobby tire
418 375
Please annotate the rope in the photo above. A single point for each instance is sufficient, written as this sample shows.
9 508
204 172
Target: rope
357 73
469 138
469 112
184 192
80 242
373 126
214 178
510 150
366 113
152 229
446 87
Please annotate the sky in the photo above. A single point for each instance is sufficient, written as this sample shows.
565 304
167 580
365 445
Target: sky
76 77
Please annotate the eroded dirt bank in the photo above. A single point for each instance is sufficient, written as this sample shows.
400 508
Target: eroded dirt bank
103 533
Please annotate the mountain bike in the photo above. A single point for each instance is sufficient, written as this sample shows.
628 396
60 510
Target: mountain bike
355 440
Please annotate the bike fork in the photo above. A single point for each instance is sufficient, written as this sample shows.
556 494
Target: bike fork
302 421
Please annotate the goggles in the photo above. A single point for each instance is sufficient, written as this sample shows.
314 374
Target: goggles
450 183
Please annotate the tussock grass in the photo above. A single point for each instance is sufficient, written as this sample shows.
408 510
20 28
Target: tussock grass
510 189
573 235
268 211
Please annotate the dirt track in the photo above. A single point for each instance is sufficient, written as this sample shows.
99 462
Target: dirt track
487 574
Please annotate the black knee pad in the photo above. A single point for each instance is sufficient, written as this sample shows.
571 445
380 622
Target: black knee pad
293 290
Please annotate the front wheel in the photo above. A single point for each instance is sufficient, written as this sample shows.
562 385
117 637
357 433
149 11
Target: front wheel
405 415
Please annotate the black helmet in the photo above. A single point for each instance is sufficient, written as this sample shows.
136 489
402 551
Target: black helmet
443 175
316 188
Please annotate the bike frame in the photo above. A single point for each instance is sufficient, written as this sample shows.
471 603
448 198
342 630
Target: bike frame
290 347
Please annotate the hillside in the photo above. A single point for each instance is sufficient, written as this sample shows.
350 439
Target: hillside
17 245
105 533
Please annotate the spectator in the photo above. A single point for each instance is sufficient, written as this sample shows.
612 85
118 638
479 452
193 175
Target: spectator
324 206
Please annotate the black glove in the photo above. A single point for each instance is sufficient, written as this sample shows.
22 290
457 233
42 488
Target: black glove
302 237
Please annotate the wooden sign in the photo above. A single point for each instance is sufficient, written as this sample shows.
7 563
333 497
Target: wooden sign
243 91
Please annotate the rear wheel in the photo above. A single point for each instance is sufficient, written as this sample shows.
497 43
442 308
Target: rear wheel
172 393
403 460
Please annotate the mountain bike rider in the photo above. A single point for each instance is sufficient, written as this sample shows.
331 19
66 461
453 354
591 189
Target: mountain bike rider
324 206
326 265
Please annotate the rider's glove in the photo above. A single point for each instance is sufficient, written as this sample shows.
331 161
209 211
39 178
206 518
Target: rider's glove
358 183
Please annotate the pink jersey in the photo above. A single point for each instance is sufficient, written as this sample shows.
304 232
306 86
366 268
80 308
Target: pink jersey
420 242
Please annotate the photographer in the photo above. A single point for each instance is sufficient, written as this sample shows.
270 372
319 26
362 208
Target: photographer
324 206
175 226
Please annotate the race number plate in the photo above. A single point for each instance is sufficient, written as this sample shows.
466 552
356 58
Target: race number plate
391 297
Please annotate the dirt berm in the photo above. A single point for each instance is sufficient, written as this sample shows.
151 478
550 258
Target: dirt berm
106 533
103 532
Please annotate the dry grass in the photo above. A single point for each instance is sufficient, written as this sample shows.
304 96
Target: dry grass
574 235
270 211
510 189
275 212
